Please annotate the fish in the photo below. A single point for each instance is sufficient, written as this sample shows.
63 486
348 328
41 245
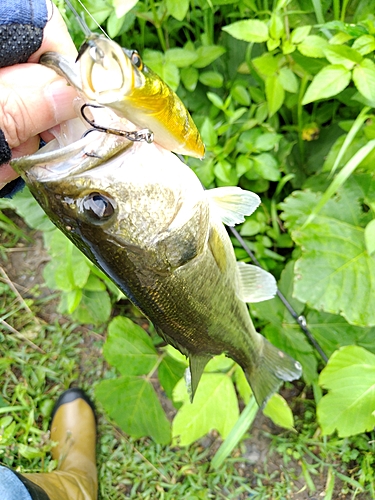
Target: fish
117 78
142 216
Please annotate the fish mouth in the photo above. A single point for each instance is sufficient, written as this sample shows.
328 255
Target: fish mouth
54 161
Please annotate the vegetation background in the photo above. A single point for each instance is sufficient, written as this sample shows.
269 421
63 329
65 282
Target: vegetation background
283 95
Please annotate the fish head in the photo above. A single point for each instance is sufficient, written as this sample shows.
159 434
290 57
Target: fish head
138 197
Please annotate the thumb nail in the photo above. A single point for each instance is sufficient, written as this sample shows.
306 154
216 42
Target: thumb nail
60 95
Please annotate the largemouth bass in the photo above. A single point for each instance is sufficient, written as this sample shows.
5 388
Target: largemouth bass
117 78
142 216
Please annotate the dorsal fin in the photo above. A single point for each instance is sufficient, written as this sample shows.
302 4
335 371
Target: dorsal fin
255 284
233 203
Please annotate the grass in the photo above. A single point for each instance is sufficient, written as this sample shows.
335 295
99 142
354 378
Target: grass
41 354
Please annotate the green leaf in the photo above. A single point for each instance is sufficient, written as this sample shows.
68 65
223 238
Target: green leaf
128 348
370 237
177 9
266 64
208 133
123 6
278 410
364 79
243 165
364 44
313 46
300 34
211 79
132 403
288 80
242 385
189 77
335 272
95 307
226 173
267 141
266 166
73 299
181 57
276 26
249 30
275 94
342 54
170 371
240 94
333 332
207 54
26 206
215 407
114 24
349 378
329 82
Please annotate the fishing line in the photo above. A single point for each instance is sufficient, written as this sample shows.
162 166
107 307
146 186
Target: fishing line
300 319
86 30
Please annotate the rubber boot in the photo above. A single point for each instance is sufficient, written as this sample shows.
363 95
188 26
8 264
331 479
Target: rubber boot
73 427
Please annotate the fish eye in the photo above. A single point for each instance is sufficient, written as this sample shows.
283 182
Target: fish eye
136 60
97 207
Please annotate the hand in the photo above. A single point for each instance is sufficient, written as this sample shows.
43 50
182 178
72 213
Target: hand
34 98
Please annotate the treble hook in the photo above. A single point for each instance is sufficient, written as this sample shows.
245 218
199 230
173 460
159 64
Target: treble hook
134 136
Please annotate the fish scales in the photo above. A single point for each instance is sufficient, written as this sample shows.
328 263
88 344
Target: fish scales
163 243
142 216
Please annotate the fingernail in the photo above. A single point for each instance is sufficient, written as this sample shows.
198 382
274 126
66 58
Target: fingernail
61 96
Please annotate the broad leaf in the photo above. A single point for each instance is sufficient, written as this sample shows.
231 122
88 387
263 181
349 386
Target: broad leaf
278 410
275 94
128 348
329 82
349 378
342 54
181 57
335 272
132 403
207 54
313 46
333 332
370 237
364 44
215 406
177 9
123 6
170 371
364 79
249 30
94 307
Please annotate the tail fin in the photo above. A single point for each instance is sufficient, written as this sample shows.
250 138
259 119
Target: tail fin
272 369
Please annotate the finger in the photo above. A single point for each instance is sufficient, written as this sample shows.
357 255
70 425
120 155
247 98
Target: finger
32 99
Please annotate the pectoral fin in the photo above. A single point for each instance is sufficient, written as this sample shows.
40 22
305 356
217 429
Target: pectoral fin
255 284
194 372
233 203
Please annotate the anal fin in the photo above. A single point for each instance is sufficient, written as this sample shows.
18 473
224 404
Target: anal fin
194 372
